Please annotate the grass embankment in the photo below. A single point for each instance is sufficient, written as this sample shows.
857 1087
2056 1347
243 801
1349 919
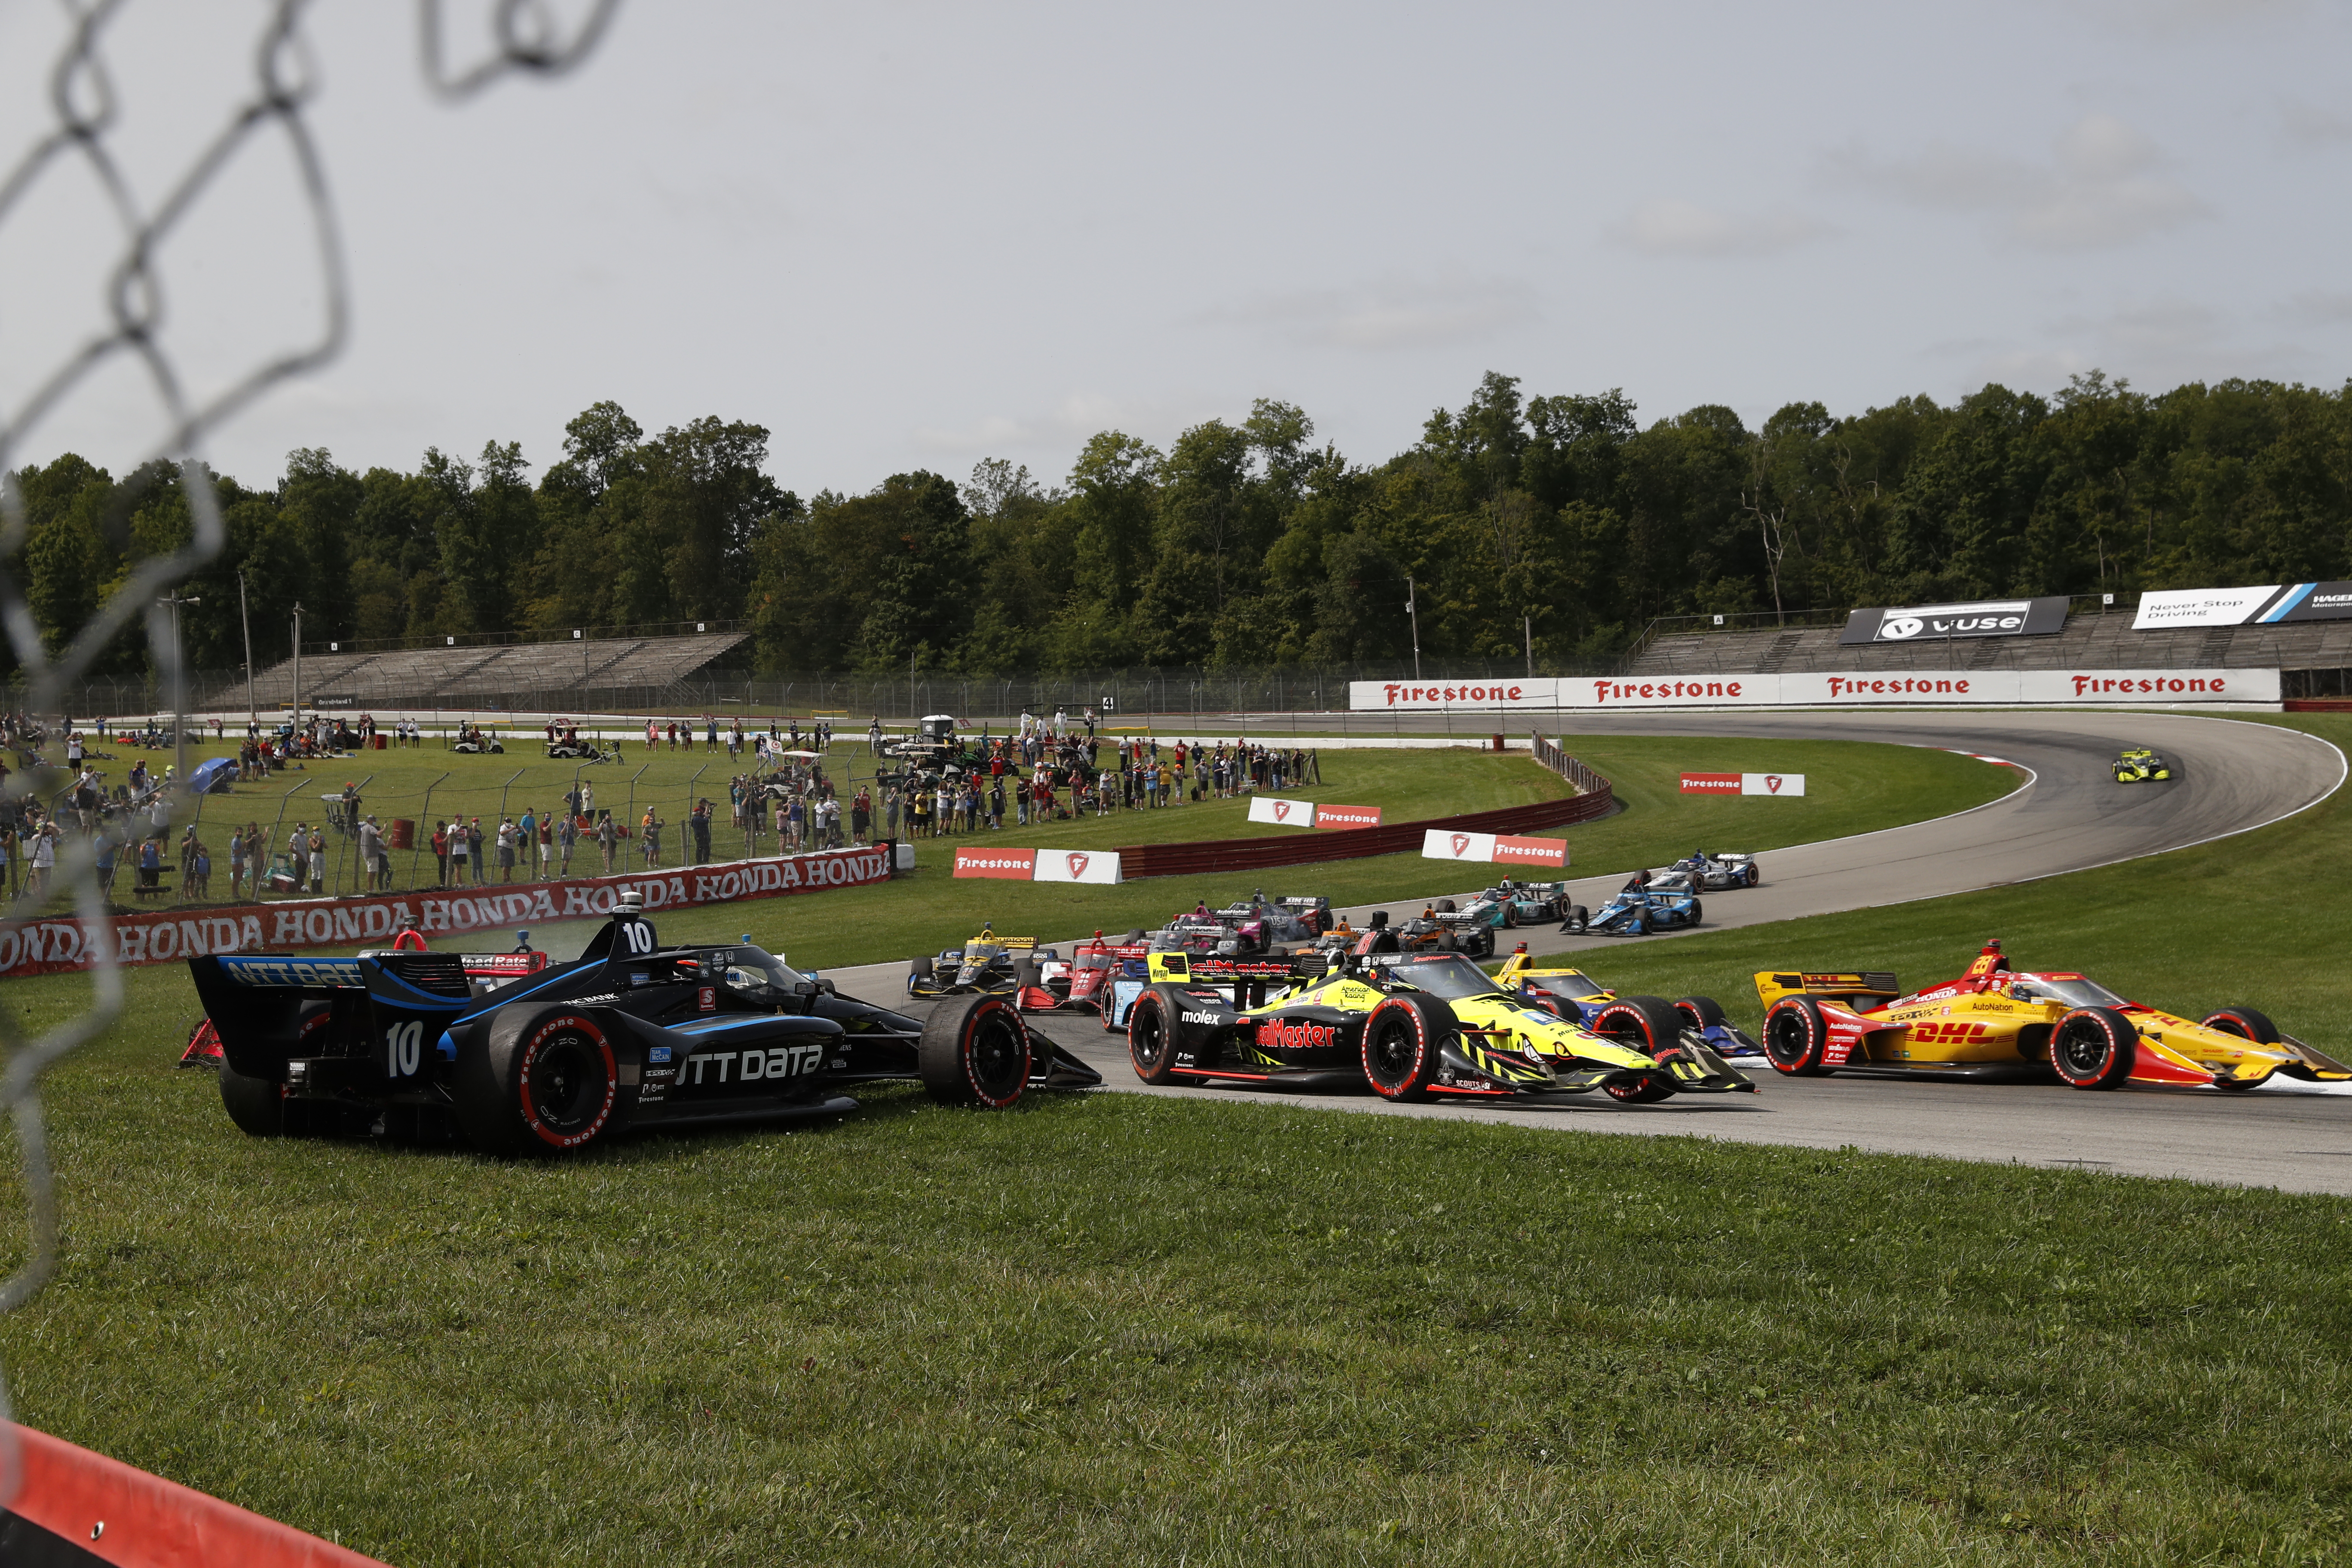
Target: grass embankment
2254 919
1113 1330
1855 787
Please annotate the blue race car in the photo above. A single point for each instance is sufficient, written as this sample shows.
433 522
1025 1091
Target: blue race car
1577 998
1512 903
1653 901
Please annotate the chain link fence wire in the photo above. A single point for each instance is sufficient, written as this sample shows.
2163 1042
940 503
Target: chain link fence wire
82 136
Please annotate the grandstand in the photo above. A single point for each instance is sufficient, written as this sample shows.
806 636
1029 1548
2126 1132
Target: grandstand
624 672
2316 656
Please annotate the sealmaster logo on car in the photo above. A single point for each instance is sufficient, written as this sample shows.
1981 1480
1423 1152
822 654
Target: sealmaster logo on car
1277 1035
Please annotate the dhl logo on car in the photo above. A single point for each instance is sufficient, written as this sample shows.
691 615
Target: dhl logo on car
1948 1034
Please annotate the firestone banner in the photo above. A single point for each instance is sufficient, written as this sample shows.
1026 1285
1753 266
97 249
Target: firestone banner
60 946
1439 844
1815 689
1097 867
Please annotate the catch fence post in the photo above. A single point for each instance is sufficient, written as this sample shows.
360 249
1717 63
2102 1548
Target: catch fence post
424 833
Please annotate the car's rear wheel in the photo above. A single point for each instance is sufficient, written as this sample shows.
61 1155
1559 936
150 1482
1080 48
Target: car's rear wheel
1751 875
1151 1039
1797 1038
1577 921
2243 1022
1510 914
257 1105
1446 907
1697 912
1403 1037
975 1051
2094 1047
547 1083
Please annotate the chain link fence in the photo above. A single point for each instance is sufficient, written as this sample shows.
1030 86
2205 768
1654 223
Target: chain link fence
82 140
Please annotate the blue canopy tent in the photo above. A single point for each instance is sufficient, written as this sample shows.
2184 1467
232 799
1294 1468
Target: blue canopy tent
213 778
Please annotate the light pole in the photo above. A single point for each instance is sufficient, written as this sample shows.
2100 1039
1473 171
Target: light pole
245 618
297 668
1412 609
179 689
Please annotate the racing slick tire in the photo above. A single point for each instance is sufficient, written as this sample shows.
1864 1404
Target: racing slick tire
257 1105
1697 912
2094 1047
1448 943
1151 1036
545 1082
1510 915
1576 921
975 1051
1749 875
1701 1013
1797 1038
2243 1022
1647 1024
1446 907
1403 1037
919 970
1647 1090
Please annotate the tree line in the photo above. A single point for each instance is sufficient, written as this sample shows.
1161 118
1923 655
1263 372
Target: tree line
1558 521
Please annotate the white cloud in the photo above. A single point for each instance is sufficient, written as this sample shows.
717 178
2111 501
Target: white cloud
2167 16
2154 343
2311 126
2320 308
2100 188
1672 228
1389 313
1067 425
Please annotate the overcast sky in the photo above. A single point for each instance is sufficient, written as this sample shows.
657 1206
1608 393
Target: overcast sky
912 234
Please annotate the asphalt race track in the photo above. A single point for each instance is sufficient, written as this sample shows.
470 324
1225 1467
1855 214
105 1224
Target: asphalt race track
2070 815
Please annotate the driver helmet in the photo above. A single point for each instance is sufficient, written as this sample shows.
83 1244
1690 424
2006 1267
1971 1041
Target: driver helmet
522 942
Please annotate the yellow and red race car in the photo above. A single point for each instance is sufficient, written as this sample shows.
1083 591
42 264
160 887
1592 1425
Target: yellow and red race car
1995 1021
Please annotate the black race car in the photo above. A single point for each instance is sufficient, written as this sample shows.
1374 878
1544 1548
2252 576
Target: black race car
631 1034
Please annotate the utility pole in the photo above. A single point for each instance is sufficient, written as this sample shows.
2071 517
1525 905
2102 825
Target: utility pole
245 617
1527 630
297 668
1413 608
179 689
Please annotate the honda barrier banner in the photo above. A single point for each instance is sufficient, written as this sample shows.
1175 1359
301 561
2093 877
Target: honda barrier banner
2243 606
1442 844
1077 866
52 947
1933 623
1011 865
1285 813
1906 689
1040 865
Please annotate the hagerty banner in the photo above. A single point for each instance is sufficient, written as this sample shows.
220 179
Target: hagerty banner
1817 689
58 946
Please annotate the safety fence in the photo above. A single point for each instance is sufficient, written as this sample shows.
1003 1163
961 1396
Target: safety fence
1548 755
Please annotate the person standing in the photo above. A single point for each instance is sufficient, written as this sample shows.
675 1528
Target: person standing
861 816
318 863
461 853
370 844
440 854
546 841
567 834
607 836
526 835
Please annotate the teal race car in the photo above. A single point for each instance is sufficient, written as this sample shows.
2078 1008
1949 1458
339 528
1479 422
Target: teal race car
1515 903
2138 765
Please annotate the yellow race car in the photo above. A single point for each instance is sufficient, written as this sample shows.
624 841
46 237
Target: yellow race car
1414 1027
1995 1021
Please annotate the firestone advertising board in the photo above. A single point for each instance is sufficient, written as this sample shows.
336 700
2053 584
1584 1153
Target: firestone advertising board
1813 689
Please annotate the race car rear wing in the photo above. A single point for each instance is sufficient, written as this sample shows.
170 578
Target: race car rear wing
1859 989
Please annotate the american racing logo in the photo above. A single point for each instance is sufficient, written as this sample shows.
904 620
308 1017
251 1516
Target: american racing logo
750 1066
1276 1033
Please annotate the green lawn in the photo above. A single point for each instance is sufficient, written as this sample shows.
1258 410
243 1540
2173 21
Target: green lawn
1111 1329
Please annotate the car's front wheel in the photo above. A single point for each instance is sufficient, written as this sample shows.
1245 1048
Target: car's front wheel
975 1051
1403 1037
1151 1039
2094 1047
